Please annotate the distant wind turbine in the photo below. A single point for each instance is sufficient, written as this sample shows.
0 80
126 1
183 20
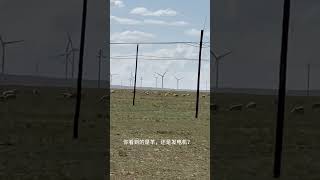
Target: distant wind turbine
156 77
178 79
4 44
72 50
218 58
111 77
162 76
141 78
100 56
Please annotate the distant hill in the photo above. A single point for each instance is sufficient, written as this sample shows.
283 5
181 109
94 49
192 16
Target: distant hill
59 82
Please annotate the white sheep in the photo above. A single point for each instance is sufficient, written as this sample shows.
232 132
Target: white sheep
14 91
236 107
175 95
10 96
68 95
251 105
104 97
298 109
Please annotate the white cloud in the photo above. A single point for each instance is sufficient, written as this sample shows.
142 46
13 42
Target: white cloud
160 22
116 3
145 12
196 32
128 21
146 69
131 36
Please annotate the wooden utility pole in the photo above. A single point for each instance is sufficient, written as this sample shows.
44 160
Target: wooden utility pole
282 90
135 76
79 83
199 70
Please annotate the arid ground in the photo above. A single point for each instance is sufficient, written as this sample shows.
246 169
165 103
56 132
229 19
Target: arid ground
158 116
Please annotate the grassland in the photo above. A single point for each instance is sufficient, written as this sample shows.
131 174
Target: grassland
156 116
244 140
40 128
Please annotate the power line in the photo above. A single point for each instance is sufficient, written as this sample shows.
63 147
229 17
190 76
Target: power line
158 59
173 42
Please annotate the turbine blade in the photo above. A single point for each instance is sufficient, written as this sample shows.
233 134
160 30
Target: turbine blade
225 54
214 54
13 42
158 74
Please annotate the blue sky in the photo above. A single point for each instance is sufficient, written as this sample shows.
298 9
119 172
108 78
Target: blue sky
158 21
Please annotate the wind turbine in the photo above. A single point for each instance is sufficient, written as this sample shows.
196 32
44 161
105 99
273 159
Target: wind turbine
73 50
111 76
4 45
218 58
100 56
141 78
162 76
156 77
178 79
66 54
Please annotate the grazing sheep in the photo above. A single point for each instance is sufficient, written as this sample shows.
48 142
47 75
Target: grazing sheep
104 97
175 95
316 106
298 109
203 96
68 95
9 92
187 94
113 91
10 96
183 95
251 105
236 107
166 94
146 93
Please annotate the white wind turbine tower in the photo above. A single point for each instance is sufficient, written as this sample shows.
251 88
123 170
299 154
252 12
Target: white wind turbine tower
178 79
218 58
156 77
162 76
69 49
111 77
4 44
72 50
141 78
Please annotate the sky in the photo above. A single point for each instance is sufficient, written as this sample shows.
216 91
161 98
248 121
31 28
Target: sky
43 25
252 30
160 21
